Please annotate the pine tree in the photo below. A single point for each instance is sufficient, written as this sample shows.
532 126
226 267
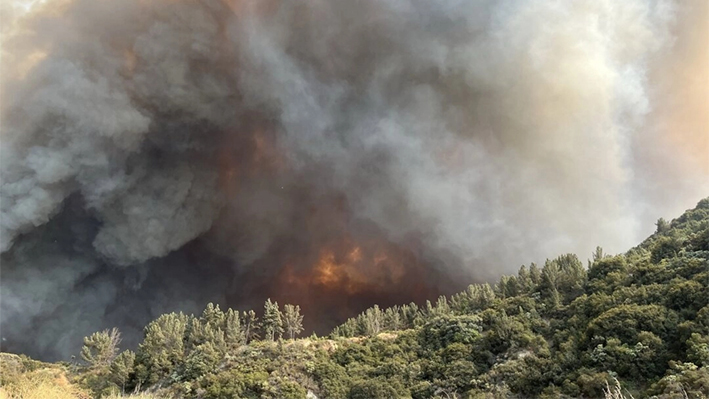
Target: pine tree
348 329
215 336
459 303
251 326
573 276
162 348
442 306
480 297
598 254
411 315
292 320
535 274
233 334
194 333
100 348
202 360
549 285
371 321
205 329
430 311
213 316
563 279
272 320
523 281
662 226
508 287
122 367
392 318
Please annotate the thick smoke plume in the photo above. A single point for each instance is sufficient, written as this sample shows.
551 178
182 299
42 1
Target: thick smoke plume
157 155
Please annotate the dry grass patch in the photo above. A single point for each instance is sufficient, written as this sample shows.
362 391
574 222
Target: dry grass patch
42 384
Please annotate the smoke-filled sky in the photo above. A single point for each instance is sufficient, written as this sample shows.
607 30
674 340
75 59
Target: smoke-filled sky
158 155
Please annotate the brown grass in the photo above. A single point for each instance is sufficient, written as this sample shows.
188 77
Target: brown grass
24 378
42 384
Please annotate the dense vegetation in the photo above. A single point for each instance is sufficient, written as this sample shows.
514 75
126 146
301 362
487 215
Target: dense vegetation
559 330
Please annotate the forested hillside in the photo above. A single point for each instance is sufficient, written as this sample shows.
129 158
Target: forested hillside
562 329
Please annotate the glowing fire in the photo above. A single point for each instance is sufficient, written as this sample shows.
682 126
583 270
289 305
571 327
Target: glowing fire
349 269
342 277
353 272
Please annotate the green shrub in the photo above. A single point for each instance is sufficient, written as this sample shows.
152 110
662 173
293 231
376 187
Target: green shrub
373 389
445 330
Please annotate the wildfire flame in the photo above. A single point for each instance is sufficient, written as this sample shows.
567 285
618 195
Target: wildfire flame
347 276
351 272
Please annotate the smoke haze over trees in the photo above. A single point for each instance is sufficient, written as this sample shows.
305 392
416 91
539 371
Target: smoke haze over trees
638 321
159 155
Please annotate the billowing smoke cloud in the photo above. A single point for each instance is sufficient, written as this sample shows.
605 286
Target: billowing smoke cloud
157 155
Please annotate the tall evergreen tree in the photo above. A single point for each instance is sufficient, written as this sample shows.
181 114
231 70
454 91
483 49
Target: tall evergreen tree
162 348
598 254
122 367
272 320
507 287
349 328
233 334
429 309
662 226
206 329
563 279
251 326
100 348
524 281
442 306
194 333
371 320
535 274
481 296
392 318
293 320
411 315
213 316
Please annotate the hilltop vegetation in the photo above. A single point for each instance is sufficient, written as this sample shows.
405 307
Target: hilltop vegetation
562 329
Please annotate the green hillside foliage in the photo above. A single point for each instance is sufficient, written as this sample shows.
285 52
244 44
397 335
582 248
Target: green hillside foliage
562 330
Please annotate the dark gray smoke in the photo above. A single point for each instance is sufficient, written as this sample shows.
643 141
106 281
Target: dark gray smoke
157 155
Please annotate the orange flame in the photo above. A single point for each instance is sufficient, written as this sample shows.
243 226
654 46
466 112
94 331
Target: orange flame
345 277
349 269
